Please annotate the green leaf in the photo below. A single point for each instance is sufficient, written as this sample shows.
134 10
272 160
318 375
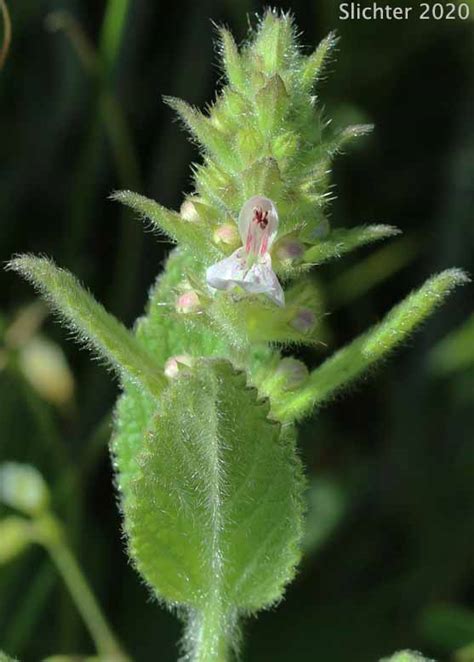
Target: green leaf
406 656
195 235
350 362
343 241
94 327
214 514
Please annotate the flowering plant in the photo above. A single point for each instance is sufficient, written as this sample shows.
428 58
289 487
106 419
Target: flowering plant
210 484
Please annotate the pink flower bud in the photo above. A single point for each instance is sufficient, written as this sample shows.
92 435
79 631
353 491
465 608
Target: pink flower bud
178 364
227 234
293 372
304 320
188 302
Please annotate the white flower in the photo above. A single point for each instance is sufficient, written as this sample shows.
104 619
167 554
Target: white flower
250 266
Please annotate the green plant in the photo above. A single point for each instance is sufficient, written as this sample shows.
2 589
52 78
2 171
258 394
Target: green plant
210 483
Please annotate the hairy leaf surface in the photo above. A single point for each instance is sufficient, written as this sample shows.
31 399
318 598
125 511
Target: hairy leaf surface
214 512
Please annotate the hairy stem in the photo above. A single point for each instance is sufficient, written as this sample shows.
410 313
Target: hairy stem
209 635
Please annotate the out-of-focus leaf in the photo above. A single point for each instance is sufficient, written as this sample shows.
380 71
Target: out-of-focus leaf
456 351
327 504
447 626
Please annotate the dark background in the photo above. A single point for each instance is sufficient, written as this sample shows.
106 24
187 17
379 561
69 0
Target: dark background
390 563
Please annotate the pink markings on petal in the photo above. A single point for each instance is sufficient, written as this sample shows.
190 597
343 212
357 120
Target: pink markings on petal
258 224
250 267
248 243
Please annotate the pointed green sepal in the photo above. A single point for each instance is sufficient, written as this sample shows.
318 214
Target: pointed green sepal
232 61
271 103
175 226
275 43
347 136
314 65
352 361
205 131
92 325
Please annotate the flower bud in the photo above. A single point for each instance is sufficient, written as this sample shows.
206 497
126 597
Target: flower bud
45 367
227 234
289 249
189 212
23 487
321 230
15 536
304 320
188 302
292 372
178 364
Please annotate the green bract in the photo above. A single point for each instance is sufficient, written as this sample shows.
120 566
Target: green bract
210 484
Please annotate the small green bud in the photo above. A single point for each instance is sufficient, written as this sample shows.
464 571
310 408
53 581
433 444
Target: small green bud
22 487
304 320
177 365
227 234
293 373
188 302
15 536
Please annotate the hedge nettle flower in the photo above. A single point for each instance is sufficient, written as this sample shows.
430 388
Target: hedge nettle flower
250 266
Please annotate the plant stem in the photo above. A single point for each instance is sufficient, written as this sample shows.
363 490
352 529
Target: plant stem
51 536
209 635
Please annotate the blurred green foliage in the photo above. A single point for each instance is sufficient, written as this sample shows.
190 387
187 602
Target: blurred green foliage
397 456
